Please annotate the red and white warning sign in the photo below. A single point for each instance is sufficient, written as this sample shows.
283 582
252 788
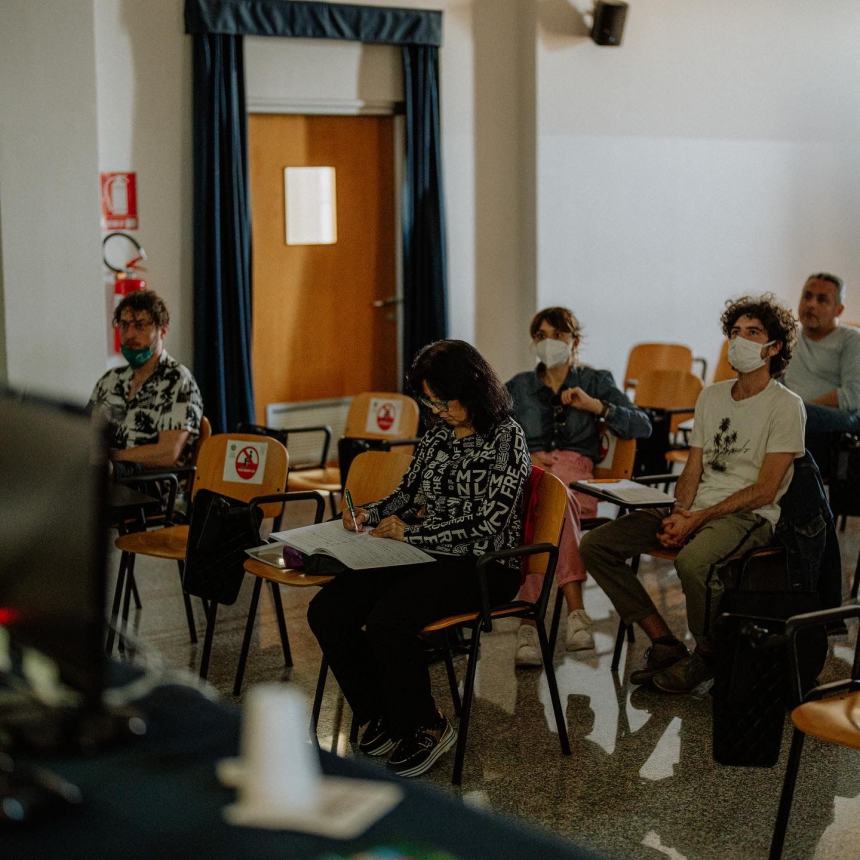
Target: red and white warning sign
245 462
119 201
383 416
607 449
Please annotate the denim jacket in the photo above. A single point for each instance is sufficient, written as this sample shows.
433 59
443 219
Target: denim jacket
549 427
806 531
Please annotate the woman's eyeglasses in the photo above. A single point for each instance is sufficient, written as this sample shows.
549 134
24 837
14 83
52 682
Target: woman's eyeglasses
438 405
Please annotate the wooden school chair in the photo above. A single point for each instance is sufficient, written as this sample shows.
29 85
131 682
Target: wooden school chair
220 470
373 475
829 712
539 558
655 356
381 416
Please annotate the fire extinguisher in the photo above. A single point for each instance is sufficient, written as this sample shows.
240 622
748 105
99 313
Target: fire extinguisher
126 279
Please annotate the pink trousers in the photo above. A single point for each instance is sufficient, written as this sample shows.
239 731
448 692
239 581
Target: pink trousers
568 466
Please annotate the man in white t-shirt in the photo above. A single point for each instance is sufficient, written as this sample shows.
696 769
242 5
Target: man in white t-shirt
747 433
825 366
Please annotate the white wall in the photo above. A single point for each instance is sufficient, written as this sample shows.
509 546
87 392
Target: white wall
714 153
52 299
143 65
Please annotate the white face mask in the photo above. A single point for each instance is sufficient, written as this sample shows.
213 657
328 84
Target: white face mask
552 352
745 355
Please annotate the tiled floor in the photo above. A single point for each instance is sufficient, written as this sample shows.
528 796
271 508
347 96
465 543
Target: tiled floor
641 782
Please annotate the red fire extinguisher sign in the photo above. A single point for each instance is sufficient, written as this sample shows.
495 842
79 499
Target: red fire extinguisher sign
119 201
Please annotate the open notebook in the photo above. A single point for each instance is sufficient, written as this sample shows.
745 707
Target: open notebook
357 551
630 492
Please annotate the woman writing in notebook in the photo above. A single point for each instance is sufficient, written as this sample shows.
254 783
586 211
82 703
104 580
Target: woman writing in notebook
560 405
460 498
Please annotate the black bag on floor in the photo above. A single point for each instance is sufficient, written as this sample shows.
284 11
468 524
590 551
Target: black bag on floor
752 684
845 475
221 530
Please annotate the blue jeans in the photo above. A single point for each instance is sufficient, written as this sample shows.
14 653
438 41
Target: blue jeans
821 423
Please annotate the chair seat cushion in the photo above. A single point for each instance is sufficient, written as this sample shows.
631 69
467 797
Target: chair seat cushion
327 479
295 578
169 542
836 719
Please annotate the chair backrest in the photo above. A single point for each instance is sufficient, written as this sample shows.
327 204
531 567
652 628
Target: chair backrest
618 455
549 514
382 415
723 370
374 475
656 356
205 433
242 466
669 389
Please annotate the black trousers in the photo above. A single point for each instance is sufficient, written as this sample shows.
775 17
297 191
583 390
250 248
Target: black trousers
367 623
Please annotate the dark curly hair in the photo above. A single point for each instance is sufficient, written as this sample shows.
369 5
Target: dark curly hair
455 370
561 319
144 300
778 322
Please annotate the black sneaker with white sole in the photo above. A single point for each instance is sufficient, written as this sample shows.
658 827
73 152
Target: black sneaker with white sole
418 752
377 739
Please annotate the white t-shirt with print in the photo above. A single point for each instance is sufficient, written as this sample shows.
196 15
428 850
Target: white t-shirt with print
735 435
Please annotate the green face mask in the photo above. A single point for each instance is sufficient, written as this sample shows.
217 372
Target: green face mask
137 357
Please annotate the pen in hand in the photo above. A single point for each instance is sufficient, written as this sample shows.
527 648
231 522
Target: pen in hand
348 499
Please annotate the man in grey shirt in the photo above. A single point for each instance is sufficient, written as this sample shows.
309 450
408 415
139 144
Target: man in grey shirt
825 367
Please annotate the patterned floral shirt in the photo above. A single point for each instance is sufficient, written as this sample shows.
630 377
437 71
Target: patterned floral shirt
169 399
462 496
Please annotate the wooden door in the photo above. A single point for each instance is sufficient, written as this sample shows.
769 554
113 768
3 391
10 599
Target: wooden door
316 333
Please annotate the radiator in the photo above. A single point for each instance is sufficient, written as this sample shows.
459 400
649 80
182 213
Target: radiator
305 448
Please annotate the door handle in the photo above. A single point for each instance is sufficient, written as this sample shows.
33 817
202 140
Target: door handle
384 303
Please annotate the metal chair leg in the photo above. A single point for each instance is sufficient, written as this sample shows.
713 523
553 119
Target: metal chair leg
119 588
135 594
126 603
468 691
189 612
246 639
787 795
211 612
619 645
556 620
318 696
553 688
452 676
856 585
282 624
353 729
631 636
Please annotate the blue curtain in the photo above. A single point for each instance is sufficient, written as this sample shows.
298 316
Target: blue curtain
222 229
424 255
222 233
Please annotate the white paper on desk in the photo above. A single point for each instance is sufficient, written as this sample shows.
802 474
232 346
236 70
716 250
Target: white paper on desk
631 491
357 551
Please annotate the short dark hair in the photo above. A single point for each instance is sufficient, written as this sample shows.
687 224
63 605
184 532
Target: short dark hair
561 319
831 279
778 322
455 370
144 300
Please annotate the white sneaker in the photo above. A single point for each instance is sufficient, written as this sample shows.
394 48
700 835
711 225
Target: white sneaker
528 647
579 636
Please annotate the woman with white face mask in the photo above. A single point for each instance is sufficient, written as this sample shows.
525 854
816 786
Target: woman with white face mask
559 405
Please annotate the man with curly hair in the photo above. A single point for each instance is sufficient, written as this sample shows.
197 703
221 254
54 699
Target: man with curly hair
152 405
747 433
825 367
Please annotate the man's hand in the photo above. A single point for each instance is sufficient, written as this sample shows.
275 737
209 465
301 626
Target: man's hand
578 399
361 517
676 529
391 527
